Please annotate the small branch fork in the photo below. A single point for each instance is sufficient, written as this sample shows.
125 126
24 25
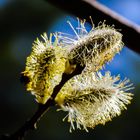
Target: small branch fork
31 123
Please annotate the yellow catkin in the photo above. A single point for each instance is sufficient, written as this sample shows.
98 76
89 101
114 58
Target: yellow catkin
92 49
91 99
44 68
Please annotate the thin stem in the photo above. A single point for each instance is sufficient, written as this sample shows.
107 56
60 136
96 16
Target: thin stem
31 123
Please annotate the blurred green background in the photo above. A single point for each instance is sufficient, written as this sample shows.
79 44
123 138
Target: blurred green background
21 21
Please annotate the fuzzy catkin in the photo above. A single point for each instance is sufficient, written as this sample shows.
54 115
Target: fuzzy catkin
44 68
91 99
92 49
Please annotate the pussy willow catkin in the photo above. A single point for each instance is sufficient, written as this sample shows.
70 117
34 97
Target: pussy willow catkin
93 99
94 48
44 68
90 98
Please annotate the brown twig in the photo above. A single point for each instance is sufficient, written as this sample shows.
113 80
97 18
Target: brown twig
99 12
31 123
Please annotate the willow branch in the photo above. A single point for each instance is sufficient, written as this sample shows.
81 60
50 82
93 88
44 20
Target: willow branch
99 12
31 123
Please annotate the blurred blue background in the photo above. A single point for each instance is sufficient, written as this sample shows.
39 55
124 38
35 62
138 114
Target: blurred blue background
21 21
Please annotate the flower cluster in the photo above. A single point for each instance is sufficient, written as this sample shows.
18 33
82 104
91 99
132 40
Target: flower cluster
90 98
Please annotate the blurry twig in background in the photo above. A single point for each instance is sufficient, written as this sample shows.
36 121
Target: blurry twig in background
99 12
